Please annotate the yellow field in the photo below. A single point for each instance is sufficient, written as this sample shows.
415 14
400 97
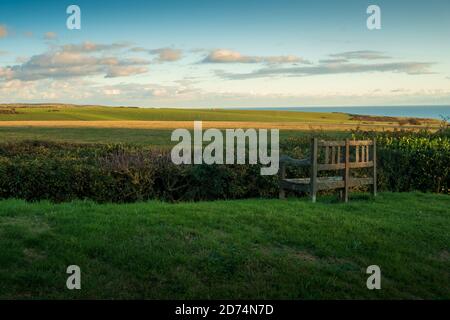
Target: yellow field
127 124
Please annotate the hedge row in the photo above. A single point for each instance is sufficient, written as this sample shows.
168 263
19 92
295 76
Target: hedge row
120 173
117 173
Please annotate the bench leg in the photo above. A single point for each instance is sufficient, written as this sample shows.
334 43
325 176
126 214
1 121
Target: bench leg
282 194
341 195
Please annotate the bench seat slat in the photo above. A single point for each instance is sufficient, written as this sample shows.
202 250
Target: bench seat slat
335 166
324 183
291 161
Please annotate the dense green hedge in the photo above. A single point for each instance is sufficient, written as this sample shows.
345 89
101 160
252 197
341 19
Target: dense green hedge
414 161
119 173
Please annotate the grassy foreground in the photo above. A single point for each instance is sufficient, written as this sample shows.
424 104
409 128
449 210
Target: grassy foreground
228 249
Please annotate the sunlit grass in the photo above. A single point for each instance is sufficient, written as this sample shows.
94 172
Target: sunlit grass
228 249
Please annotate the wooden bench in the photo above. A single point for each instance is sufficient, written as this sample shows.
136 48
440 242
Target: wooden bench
332 155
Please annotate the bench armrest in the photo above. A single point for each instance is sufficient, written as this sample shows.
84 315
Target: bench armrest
286 160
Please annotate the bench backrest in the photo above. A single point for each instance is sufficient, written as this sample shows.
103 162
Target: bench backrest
337 155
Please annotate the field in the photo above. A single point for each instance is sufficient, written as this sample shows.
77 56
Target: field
150 126
100 113
228 249
143 137
69 116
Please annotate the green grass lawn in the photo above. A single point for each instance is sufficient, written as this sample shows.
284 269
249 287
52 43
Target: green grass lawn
228 249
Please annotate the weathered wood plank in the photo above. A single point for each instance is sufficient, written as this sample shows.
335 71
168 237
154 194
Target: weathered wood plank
336 184
327 183
338 154
314 169
374 160
357 154
340 166
360 143
327 167
296 162
323 143
333 155
363 153
347 169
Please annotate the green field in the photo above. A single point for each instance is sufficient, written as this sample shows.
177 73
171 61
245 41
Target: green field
147 137
90 113
228 249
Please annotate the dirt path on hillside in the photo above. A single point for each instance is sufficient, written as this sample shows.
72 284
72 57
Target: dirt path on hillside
206 124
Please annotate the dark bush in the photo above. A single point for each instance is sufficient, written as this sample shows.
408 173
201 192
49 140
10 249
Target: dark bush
118 173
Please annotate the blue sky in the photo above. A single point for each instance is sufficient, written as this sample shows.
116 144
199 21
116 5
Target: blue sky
225 53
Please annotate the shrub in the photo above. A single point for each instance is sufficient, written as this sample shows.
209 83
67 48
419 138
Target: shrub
122 173
413 161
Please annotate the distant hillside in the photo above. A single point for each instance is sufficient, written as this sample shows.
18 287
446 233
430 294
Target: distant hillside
67 112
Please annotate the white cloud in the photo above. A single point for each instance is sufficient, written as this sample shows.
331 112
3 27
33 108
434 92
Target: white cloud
74 61
167 54
411 68
163 54
362 54
124 71
230 56
88 46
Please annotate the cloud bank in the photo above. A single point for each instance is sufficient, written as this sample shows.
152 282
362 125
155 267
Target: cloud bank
79 60
340 63
411 68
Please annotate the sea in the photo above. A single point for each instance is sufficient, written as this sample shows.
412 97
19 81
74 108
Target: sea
430 112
